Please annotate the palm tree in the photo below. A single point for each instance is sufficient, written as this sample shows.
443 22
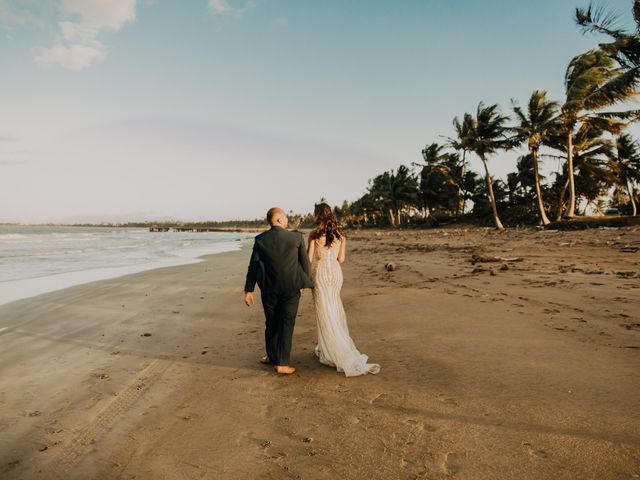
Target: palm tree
525 173
593 81
461 142
366 208
626 165
595 178
488 134
536 127
469 182
393 191
433 153
379 192
590 148
482 205
440 184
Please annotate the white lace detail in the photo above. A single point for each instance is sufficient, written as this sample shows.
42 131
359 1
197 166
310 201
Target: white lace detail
335 347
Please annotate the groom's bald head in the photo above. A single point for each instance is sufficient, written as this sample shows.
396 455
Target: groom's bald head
277 217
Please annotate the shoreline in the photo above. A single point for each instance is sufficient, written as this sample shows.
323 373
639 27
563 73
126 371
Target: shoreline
140 227
527 372
13 290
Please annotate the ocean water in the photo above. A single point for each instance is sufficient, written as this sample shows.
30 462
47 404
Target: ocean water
35 260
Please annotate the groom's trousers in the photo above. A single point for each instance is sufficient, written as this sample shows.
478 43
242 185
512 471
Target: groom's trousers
280 310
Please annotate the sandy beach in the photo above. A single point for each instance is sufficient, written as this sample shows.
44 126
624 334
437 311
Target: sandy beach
510 355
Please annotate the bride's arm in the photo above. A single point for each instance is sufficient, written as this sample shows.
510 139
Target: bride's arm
311 249
342 254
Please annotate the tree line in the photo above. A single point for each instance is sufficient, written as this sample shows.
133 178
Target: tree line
585 130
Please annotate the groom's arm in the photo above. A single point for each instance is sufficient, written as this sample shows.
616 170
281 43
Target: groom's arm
253 270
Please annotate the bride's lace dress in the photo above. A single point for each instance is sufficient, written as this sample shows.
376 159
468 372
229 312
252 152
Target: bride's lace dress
335 347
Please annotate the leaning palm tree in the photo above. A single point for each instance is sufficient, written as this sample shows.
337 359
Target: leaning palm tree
593 81
626 165
536 127
488 134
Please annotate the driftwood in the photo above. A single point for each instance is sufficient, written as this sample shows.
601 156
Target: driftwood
488 258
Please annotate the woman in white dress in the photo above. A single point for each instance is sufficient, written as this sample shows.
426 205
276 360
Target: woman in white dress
326 250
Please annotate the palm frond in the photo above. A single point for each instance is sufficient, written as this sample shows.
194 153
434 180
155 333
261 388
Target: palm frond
584 74
555 157
521 116
622 86
604 124
433 153
597 19
631 115
625 50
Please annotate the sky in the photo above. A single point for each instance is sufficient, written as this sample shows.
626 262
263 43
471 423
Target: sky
219 109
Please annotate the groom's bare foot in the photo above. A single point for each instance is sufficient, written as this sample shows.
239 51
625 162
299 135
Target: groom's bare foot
265 360
284 370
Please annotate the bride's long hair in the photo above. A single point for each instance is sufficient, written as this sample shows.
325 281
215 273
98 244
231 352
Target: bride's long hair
327 224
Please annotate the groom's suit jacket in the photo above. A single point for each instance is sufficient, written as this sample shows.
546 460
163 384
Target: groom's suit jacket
279 263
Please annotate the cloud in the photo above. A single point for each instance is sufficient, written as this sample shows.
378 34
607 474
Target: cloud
220 6
78 32
102 14
11 15
78 46
73 57
223 7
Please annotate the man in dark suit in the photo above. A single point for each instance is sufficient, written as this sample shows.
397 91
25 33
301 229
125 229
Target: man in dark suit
280 266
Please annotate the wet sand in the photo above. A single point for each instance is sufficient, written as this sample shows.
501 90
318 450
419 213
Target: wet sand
504 356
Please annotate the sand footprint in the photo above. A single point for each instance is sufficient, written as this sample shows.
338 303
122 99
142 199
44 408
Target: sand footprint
452 463
419 425
447 400
380 398
538 453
